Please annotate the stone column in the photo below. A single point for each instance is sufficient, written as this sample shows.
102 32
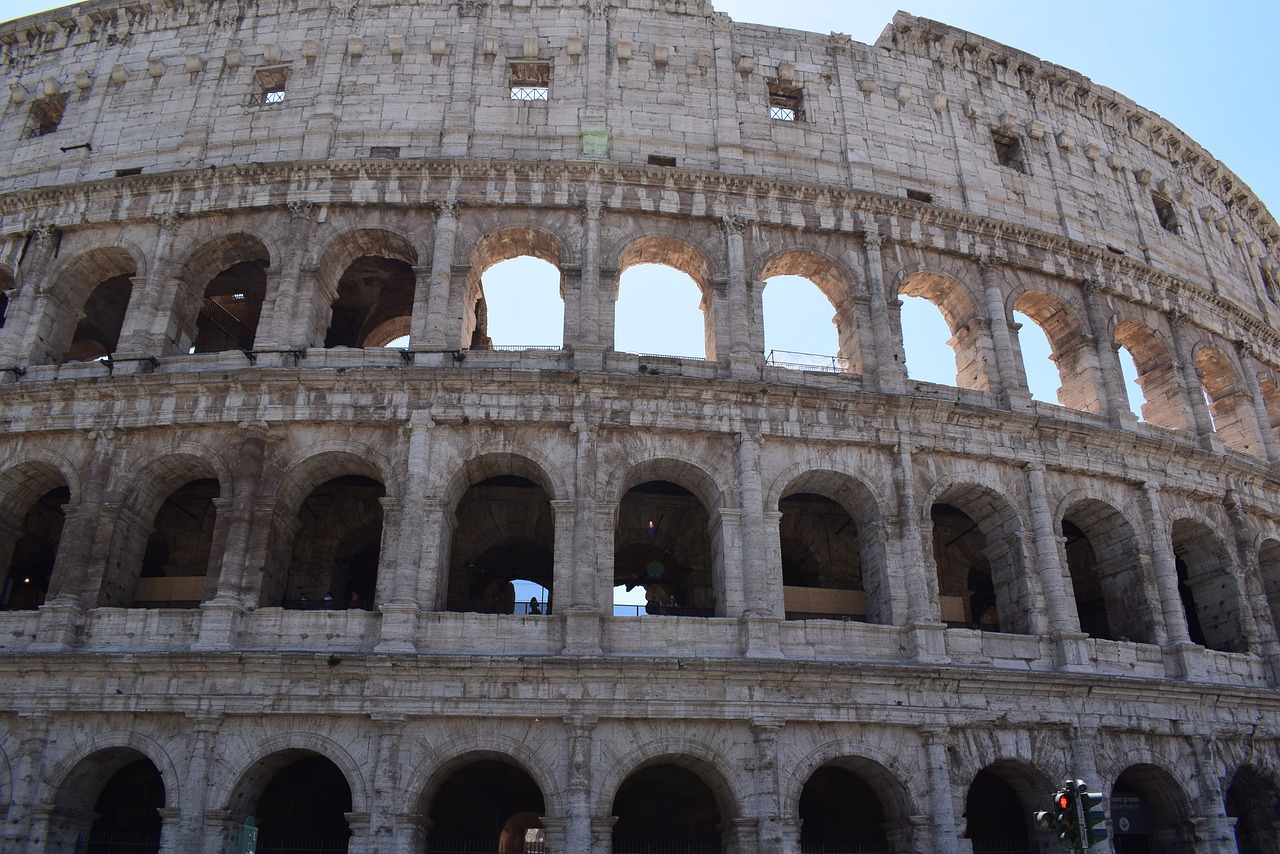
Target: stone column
152 300
31 312
725 530
384 834
577 831
190 827
580 602
1248 353
1246 582
588 348
941 803
594 129
1112 396
766 803
421 304
1059 598
1190 381
433 335
607 291
280 304
886 366
565 515
602 833
28 767
921 609
1163 563
743 363
1213 829
761 600
1007 382
400 603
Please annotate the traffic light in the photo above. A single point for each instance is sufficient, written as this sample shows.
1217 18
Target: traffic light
1095 817
1064 816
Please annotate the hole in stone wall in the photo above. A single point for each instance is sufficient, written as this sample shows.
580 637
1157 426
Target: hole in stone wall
659 311
524 304
1165 213
1008 151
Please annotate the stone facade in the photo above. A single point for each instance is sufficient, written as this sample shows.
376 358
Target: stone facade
880 611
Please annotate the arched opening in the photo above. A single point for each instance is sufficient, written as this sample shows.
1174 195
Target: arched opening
1271 399
1132 388
1207 587
802 290
978 554
231 307
486 806
1164 405
841 811
504 541
923 341
1102 558
662 544
303 806
524 304
664 303
109 803
821 559
1230 404
6 287
1148 812
337 546
996 819
374 303
1269 568
666 807
175 561
97 334
35 551
1253 800
1056 354
515 292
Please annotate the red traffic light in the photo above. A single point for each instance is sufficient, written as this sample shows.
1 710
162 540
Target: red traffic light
1064 801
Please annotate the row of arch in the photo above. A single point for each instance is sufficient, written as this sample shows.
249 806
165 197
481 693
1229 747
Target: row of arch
496 542
299 798
371 287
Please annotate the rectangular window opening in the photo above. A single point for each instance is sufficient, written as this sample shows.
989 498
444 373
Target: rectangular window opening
920 196
270 87
1166 214
530 81
385 152
661 160
786 103
1008 151
132 170
46 114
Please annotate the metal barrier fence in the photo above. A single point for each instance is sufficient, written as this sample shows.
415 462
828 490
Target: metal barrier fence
271 843
122 842
807 362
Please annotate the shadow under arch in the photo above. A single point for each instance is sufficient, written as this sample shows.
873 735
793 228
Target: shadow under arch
1149 811
1253 799
850 802
229 275
999 804
690 793
1207 585
367 274
482 800
1103 559
979 556
35 495
91 296
833 542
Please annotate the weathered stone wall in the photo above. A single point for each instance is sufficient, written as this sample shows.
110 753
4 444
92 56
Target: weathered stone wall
934 682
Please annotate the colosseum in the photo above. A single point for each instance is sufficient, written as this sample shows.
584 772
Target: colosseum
272 500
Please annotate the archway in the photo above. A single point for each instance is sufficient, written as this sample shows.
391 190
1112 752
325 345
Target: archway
959 313
1207 587
35 551
1148 812
978 554
666 807
303 806
1269 568
1164 403
337 545
1066 373
664 302
233 269
997 817
1234 417
1102 558
803 326
97 334
109 803
662 544
175 562
488 805
374 303
505 534
821 559
1253 800
848 807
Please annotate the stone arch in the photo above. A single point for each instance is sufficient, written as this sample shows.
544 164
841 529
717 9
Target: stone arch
887 760
1207 584
237 781
1271 400
687 754
974 360
1252 798
1078 377
33 492
1102 554
979 557
336 465
834 281
116 743
1165 405
501 244
502 533
654 464
1146 800
1269 569
226 281
115 790
676 252
142 499
368 278
1230 404
1000 800
446 757
863 547
502 457
6 287
86 303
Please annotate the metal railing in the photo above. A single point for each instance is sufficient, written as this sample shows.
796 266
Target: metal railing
227 323
844 847
1001 846
513 347
625 847
661 610
519 609
271 843
807 362
122 842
